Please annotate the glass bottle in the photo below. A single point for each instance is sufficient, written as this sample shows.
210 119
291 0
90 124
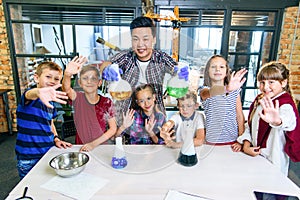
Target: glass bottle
187 155
119 160
178 87
121 89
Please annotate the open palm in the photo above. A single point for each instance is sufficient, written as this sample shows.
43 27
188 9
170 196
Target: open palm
270 112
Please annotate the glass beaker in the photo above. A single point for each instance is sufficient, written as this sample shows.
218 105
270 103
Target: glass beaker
178 87
187 156
121 89
119 160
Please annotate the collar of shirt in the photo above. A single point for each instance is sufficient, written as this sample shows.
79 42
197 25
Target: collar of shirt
187 119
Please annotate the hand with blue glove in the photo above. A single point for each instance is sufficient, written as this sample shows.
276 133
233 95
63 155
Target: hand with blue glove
183 73
109 74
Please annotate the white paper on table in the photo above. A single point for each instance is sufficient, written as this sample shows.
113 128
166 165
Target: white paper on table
82 186
175 195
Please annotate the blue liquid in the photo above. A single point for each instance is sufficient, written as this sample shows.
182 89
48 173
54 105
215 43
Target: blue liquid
118 163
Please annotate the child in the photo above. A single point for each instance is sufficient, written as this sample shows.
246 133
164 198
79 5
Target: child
143 119
35 114
272 117
93 113
222 103
186 118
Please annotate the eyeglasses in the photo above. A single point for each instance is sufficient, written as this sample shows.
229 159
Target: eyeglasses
189 106
142 101
91 79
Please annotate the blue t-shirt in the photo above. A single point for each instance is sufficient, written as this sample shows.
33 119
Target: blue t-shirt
35 136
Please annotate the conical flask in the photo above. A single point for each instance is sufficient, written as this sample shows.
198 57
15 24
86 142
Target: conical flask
178 87
121 89
187 155
118 160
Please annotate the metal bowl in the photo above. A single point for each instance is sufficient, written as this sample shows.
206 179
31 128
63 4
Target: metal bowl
69 164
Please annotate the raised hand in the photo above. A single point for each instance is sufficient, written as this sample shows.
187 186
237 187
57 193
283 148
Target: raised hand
149 124
237 80
48 94
74 66
270 112
128 118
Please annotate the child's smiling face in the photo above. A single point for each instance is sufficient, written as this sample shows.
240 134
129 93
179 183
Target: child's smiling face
272 88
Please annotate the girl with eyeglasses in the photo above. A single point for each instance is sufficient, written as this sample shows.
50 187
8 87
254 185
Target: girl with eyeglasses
141 122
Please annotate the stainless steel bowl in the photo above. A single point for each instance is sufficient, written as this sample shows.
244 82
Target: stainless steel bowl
69 164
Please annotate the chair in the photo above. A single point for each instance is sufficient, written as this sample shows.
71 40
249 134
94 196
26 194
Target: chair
68 129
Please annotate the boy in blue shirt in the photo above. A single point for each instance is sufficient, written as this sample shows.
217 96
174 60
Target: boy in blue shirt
35 114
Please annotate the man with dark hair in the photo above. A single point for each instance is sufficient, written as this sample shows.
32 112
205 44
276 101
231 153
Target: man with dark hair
142 64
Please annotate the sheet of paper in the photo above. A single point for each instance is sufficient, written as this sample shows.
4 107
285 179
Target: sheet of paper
175 195
82 186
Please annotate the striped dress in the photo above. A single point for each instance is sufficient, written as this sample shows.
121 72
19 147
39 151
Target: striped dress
221 122
34 136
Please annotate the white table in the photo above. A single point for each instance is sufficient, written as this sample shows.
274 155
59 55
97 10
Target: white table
153 170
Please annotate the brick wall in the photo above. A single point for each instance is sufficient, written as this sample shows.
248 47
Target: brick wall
6 76
289 47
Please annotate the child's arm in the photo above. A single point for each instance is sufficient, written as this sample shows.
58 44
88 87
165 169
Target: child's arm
166 132
240 116
46 95
128 119
200 137
57 142
103 138
252 151
73 67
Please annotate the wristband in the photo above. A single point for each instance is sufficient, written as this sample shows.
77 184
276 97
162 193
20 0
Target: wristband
56 136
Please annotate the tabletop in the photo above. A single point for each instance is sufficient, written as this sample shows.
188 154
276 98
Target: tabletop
153 170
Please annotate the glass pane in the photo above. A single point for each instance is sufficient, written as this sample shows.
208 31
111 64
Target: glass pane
40 39
266 46
212 17
252 18
245 41
250 95
112 37
24 71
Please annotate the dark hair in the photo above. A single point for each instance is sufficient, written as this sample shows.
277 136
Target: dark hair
207 81
47 65
141 22
274 71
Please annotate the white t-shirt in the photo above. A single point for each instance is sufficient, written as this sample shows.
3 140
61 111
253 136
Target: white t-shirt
182 125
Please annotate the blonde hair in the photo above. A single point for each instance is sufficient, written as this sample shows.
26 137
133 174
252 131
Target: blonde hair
275 71
47 65
188 95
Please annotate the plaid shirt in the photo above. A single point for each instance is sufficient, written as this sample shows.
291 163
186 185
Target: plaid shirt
160 64
137 132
